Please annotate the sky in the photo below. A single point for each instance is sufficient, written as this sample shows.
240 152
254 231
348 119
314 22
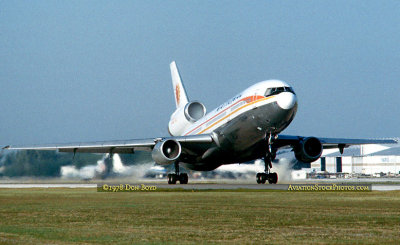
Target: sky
77 71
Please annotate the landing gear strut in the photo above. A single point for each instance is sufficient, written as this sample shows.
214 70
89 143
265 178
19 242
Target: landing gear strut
183 178
268 158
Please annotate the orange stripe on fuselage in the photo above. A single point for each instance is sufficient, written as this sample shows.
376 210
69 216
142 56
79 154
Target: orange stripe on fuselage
250 101
247 99
248 104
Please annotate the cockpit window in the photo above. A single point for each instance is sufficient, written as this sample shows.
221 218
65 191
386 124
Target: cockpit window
278 90
289 89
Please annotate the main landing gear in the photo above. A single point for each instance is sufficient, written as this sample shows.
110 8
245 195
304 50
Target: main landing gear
263 177
183 178
268 158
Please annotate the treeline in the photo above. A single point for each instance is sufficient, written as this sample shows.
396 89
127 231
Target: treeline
48 163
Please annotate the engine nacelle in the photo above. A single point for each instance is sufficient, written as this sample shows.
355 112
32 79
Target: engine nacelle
185 116
166 152
308 150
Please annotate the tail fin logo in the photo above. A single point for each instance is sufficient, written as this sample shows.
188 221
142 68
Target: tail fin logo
177 94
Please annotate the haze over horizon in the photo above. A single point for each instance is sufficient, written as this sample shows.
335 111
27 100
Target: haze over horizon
88 71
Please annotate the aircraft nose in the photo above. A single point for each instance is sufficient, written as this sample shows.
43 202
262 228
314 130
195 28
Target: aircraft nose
286 100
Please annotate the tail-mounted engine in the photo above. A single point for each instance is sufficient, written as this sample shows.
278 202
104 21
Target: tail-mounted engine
184 116
308 150
166 152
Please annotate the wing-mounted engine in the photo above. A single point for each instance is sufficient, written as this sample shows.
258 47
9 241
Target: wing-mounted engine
185 116
308 150
166 152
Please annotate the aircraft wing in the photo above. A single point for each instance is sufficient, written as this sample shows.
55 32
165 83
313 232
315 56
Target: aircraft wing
329 143
118 146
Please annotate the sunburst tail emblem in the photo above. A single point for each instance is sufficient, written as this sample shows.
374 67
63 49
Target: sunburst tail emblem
178 94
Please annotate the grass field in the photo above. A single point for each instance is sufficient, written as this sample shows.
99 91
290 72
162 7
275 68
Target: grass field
64 216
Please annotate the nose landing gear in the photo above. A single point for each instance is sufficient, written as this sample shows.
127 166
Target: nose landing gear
268 158
267 175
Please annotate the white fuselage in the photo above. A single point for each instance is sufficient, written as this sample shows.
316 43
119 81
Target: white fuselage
249 99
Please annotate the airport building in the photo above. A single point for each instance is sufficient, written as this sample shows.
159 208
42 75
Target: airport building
373 160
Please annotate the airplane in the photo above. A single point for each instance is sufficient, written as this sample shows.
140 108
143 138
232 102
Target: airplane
244 128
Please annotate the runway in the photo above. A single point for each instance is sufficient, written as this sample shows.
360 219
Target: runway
385 187
21 186
199 186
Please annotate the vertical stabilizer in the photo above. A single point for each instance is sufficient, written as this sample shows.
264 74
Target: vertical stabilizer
181 98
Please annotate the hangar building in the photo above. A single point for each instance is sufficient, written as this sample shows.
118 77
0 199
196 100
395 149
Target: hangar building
364 160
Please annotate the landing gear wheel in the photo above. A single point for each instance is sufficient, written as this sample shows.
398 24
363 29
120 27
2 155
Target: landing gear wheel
183 178
261 178
273 178
172 179
269 156
258 178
